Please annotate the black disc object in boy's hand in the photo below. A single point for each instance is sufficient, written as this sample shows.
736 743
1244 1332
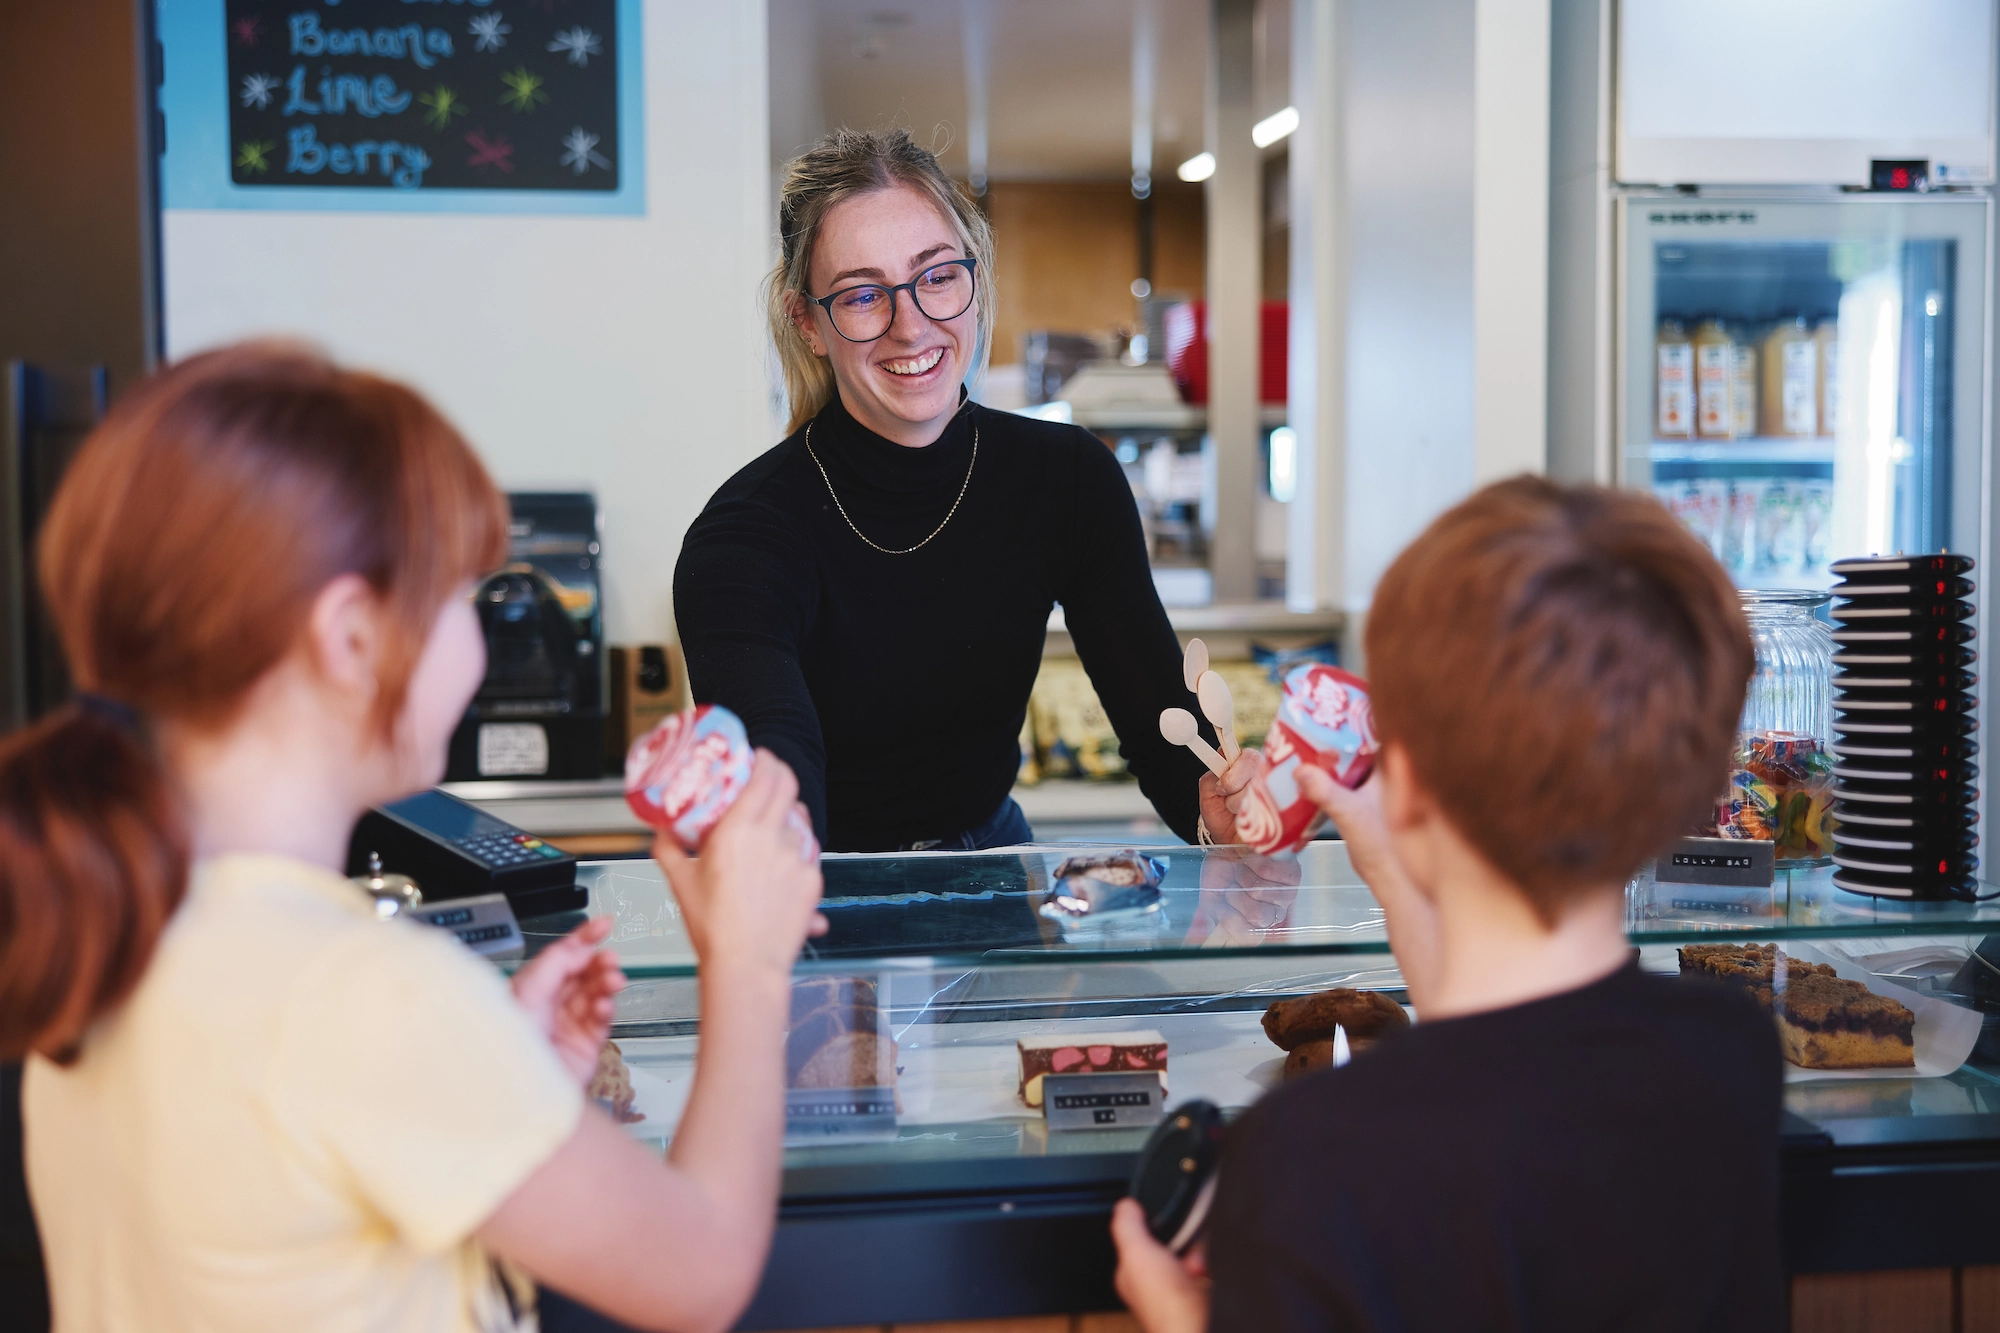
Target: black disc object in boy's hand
1174 1180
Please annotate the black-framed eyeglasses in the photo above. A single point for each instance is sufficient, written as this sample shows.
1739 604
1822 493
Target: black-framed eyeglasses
864 313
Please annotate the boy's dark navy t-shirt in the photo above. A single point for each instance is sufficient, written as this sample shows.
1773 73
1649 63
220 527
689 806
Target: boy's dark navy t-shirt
1606 1158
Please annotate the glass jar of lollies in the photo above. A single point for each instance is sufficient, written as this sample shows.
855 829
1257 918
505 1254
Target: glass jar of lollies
1781 783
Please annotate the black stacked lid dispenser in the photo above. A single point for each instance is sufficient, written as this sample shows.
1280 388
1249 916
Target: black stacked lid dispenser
1905 772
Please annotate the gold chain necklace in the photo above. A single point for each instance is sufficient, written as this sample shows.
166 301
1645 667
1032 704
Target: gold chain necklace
864 536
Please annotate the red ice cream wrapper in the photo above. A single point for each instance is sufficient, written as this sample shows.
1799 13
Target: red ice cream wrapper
1324 719
683 775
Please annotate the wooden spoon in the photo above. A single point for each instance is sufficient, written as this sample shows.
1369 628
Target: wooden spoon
1194 663
1180 728
1219 707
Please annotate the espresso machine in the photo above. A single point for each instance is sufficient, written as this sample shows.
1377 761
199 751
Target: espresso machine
539 714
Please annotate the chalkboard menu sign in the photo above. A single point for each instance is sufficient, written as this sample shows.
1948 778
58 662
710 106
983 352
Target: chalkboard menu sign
424 94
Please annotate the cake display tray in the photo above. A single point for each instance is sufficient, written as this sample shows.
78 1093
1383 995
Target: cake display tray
959 1073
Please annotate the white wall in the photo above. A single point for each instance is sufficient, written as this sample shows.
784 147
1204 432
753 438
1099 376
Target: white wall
622 354
1408 114
1419 263
1510 236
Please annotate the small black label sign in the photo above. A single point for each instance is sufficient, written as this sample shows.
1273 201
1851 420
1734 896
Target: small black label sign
816 1115
1737 862
1102 1101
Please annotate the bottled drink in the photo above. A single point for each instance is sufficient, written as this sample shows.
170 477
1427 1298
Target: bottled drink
1675 382
1791 381
1743 384
1826 337
1713 378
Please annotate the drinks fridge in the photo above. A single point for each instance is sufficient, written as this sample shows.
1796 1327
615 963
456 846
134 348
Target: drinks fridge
1803 376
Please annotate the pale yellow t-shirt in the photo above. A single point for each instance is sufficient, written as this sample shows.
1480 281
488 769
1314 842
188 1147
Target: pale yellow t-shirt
294 1124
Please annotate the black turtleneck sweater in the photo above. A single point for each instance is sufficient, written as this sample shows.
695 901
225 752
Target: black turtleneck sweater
895 685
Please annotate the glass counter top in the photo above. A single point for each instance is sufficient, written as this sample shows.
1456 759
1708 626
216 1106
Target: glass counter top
983 908
963 966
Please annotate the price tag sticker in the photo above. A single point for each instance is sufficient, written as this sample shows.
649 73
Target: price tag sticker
839 1115
1103 1101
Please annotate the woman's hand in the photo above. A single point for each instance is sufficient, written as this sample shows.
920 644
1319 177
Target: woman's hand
1222 797
1164 1293
751 898
1243 896
570 990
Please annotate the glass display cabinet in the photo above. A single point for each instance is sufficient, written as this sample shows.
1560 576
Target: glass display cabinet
957 1200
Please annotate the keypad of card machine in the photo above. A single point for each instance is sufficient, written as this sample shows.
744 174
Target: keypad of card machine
507 849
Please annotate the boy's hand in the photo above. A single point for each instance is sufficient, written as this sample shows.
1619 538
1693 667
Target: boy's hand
1164 1293
570 989
1411 917
1358 816
1222 797
751 898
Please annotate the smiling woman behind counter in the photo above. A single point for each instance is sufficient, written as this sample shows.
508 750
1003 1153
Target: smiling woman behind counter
872 595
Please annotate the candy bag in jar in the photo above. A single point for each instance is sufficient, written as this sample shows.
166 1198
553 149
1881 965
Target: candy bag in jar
683 775
1324 719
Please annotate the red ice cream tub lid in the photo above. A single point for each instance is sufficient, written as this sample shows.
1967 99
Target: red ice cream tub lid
683 775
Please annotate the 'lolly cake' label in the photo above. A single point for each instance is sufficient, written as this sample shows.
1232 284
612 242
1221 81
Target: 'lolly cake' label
1324 719
683 775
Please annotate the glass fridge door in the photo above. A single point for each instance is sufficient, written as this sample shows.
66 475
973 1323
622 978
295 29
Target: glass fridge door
1803 380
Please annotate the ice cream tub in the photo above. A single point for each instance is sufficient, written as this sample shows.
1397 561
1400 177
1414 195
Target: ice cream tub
1324 719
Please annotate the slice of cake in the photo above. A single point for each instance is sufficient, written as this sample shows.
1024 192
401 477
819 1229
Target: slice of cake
1828 1022
837 1037
1824 1020
1750 968
1089 1053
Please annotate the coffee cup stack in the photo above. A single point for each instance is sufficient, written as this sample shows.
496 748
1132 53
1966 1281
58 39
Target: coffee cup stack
1905 800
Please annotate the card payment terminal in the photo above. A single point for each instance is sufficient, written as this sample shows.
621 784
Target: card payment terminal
455 850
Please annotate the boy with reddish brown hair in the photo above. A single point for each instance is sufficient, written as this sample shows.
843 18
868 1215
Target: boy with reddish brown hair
1557 676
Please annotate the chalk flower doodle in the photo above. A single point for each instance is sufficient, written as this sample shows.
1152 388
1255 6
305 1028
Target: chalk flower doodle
489 31
489 151
580 42
524 90
443 104
247 30
255 155
582 154
258 90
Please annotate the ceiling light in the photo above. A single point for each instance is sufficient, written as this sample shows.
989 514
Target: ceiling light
1197 168
1274 127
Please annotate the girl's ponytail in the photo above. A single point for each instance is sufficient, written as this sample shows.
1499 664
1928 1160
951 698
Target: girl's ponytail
93 861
